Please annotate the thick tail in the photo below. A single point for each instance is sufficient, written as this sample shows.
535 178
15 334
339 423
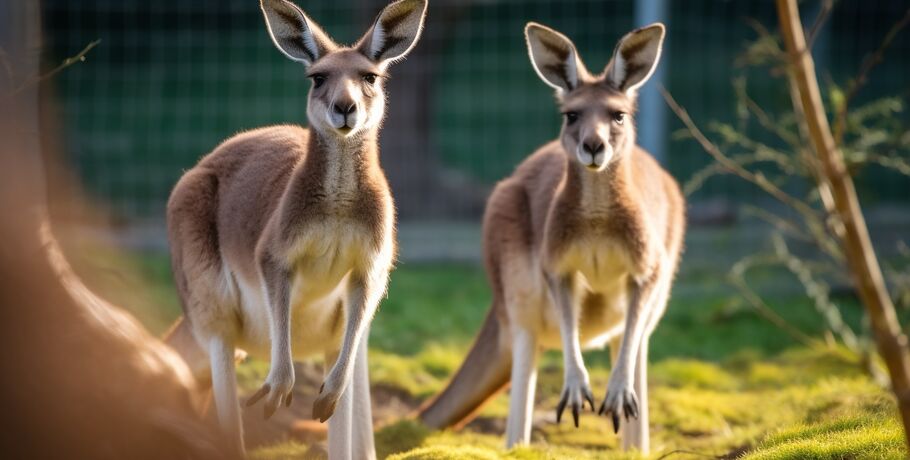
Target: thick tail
483 374
180 338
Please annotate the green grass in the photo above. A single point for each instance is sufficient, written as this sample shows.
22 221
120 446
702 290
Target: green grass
722 380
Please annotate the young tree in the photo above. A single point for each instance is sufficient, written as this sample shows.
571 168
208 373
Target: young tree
857 246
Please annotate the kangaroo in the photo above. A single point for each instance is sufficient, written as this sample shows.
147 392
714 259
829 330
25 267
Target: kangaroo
581 245
282 238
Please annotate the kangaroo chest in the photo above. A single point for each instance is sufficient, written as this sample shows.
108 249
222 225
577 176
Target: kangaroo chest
602 262
336 224
325 250
594 245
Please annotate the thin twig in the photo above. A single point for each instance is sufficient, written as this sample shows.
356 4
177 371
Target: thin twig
80 57
823 185
818 292
814 222
762 152
820 20
891 162
759 305
782 224
758 179
701 176
869 63
765 120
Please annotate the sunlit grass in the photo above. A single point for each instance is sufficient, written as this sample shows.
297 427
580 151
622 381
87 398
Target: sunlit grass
722 380
801 404
860 436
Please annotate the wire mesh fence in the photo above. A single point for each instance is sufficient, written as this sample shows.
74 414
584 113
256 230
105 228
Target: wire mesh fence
173 78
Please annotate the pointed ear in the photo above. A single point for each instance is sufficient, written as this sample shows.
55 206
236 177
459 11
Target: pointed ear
295 35
395 31
635 58
554 57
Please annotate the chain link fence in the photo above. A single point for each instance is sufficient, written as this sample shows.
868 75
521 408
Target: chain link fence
172 78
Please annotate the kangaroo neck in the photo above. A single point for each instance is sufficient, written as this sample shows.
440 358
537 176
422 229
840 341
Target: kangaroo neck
597 192
339 164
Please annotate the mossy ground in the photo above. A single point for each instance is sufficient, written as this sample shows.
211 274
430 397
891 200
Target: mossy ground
723 381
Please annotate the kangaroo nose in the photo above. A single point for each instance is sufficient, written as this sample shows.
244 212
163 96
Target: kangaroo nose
344 107
593 146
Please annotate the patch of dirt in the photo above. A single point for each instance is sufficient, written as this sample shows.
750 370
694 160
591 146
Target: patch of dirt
487 425
390 403
736 453
296 422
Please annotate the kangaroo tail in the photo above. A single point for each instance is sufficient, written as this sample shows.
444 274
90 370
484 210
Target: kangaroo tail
483 374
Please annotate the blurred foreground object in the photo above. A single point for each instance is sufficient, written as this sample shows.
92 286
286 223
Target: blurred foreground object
860 256
80 377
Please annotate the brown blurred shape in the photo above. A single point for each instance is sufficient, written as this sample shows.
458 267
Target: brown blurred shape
81 378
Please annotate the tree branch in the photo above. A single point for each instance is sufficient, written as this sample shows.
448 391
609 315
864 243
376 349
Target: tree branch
80 57
869 63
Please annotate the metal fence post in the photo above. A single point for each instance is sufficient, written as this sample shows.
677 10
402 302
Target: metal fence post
651 122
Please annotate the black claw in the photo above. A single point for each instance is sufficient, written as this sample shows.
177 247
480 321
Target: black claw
615 423
258 395
268 411
321 387
561 407
590 398
603 408
575 414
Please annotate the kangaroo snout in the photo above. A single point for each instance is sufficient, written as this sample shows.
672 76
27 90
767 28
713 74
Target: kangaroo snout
593 146
343 114
594 153
344 108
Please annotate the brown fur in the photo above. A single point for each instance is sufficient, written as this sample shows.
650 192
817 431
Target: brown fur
554 213
282 238
249 199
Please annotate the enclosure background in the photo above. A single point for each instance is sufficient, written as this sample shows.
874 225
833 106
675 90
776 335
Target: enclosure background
172 78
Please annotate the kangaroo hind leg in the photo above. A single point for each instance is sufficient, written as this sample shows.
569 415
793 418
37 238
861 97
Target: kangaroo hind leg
524 382
224 388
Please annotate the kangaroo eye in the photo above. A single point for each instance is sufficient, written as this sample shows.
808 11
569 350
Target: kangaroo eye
318 80
370 78
571 117
619 117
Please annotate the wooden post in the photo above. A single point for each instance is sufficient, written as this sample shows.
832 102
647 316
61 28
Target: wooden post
861 259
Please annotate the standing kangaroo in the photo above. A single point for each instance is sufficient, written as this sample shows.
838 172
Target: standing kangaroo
282 238
581 245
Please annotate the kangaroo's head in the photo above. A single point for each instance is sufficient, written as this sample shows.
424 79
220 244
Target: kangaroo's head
347 96
597 127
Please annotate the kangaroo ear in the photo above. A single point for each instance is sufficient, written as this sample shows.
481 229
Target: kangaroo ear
635 58
553 56
295 35
395 31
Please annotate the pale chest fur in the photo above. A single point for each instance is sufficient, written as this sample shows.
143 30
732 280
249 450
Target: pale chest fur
323 258
324 251
601 269
602 262
332 242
